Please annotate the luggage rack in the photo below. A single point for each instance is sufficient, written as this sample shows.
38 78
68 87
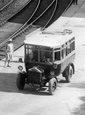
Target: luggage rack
64 32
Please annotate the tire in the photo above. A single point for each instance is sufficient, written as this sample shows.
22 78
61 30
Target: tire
52 86
20 81
69 73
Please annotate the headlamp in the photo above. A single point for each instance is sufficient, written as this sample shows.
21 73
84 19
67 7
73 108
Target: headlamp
20 67
52 73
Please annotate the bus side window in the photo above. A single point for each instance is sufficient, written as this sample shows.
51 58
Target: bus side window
68 49
72 46
57 55
62 53
35 55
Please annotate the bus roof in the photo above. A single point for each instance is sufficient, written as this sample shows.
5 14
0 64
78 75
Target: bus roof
49 39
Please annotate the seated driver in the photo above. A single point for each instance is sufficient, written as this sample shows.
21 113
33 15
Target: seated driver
48 60
48 57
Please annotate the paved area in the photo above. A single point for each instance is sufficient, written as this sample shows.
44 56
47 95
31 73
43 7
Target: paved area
67 99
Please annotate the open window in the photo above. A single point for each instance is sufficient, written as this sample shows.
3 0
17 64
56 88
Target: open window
63 53
31 53
45 56
57 55
72 46
68 49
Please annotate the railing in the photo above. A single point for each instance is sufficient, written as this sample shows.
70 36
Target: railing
56 2
2 23
6 5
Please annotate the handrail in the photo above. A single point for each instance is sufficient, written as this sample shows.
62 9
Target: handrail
28 26
26 21
43 6
51 15
15 13
63 11
43 12
6 5
24 29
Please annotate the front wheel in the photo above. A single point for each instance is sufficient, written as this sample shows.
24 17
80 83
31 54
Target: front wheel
20 81
52 85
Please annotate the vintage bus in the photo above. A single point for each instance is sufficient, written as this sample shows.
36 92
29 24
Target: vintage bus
47 55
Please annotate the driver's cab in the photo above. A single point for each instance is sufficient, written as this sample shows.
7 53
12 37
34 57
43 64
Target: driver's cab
38 54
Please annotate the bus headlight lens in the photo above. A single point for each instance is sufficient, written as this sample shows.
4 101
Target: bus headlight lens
20 68
52 73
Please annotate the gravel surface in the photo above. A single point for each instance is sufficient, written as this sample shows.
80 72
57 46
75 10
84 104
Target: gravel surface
12 9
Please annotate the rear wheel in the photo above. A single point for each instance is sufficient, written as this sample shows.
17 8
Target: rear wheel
20 81
52 85
69 73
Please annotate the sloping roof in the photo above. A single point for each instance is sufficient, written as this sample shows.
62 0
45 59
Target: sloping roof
48 39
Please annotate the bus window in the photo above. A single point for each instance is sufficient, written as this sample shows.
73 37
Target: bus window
42 56
68 49
72 46
57 55
35 55
45 56
63 53
31 53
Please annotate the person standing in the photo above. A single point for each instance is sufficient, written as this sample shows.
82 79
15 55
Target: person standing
8 53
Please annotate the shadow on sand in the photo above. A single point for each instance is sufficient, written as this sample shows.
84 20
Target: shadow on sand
8 84
81 109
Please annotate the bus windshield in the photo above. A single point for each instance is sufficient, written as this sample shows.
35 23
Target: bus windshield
38 54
